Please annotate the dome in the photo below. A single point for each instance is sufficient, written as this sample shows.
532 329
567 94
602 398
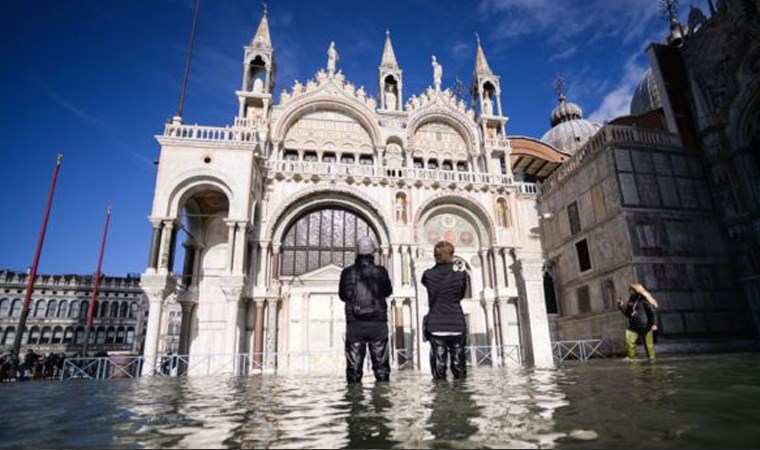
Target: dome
570 131
646 97
569 136
565 111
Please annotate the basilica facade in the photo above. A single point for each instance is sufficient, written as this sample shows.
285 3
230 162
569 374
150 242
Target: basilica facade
264 214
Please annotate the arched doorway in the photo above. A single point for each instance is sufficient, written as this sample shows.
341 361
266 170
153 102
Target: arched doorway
315 247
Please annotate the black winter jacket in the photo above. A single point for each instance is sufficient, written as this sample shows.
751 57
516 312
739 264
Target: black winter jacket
639 313
377 282
446 289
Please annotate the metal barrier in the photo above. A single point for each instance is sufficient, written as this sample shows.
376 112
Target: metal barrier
102 368
581 350
313 362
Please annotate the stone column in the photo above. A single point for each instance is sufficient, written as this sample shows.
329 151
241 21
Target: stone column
263 262
188 309
399 321
233 294
231 225
165 248
156 296
275 262
155 243
534 322
185 333
405 268
500 269
240 248
384 258
271 336
258 337
484 267
491 330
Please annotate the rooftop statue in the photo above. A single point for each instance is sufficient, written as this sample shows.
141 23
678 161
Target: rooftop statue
332 58
437 74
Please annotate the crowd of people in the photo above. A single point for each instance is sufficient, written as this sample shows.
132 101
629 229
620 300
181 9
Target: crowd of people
31 366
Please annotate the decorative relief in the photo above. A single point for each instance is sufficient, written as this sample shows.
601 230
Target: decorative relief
328 130
451 228
328 83
438 139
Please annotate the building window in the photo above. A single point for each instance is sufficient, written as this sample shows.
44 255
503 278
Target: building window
347 159
650 242
322 237
46 335
447 165
574 217
310 157
608 293
584 258
329 158
120 336
550 294
5 307
130 335
57 335
584 300
68 336
418 164
461 166
10 336
365 160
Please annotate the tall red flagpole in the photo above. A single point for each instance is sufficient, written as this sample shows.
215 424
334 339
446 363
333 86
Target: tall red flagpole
96 285
35 263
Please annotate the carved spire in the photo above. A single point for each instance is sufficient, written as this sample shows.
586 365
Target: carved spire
262 39
389 58
481 63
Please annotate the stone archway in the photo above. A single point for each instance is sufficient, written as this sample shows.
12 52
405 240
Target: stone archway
313 239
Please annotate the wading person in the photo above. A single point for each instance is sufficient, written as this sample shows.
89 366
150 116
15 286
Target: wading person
444 325
364 286
641 324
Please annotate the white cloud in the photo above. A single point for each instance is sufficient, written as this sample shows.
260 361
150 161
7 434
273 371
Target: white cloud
629 20
618 101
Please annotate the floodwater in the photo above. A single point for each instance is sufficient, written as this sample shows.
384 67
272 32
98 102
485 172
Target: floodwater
703 401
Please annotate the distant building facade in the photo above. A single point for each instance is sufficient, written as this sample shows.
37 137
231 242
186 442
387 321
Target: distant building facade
58 313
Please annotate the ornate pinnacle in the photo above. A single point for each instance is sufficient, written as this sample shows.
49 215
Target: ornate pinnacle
669 10
559 86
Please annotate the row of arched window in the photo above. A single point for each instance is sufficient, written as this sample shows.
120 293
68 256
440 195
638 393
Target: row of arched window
70 335
75 309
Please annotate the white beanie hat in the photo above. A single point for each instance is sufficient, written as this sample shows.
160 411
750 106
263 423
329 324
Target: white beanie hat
365 246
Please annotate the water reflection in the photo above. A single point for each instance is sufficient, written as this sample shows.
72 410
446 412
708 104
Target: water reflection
368 419
452 410
706 401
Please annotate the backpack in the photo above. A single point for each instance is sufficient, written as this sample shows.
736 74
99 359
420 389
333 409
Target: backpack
365 305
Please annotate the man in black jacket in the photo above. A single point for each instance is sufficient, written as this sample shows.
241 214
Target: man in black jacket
364 287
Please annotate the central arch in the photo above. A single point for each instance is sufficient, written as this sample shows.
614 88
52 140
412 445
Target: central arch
311 200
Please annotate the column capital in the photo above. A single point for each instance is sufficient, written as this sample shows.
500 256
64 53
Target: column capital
263 245
233 293
272 301
156 222
529 269
276 248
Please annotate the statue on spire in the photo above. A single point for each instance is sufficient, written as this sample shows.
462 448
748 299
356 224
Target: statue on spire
332 58
437 74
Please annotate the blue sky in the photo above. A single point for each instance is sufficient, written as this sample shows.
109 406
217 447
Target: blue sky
97 79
